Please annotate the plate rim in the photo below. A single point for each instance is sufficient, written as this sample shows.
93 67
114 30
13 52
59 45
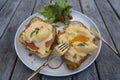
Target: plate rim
98 51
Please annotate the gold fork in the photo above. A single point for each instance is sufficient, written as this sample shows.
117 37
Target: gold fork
58 51
92 30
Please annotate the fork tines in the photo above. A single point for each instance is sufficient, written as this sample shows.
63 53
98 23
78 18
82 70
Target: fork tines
63 47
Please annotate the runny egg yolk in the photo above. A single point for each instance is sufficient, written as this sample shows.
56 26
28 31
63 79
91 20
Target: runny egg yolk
78 38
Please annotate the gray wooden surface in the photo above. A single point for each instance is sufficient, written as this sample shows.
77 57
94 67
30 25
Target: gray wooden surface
105 13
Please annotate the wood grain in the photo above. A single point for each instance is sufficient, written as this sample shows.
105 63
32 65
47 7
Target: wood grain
6 14
55 78
7 52
90 9
111 20
7 58
40 4
22 72
88 74
116 6
106 60
75 4
2 3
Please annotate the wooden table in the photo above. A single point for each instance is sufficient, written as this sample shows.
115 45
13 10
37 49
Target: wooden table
105 13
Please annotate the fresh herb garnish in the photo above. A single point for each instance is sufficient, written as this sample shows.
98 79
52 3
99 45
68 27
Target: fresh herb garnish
34 32
82 44
57 11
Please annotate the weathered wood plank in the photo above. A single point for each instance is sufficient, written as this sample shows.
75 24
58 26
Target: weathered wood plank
87 74
7 64
2 3
7 53
75 4
40 4
111 20
107 62
22 72
90 9
6 14
116 5
55 78
7 59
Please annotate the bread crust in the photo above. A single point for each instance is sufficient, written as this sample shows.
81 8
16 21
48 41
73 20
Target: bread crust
72 64
69 59
35 52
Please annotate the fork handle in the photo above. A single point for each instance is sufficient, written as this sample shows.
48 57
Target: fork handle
112 49
38 70
109 45
100 37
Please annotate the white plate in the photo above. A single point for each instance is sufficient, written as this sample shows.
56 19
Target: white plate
34 62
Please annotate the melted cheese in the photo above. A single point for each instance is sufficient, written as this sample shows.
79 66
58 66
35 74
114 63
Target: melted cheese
75 34
74 30
44 34
73 51
41 45
88 49
64 38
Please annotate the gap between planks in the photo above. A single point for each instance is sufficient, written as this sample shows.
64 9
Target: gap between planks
2 34
3 4
107 27
114 9
7 28
13 68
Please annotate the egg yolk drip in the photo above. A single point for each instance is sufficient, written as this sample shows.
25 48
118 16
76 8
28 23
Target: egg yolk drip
79 38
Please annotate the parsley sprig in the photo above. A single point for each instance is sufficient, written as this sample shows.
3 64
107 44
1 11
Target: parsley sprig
82 44
34 32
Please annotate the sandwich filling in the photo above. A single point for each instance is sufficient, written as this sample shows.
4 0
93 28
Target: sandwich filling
79 39
39 34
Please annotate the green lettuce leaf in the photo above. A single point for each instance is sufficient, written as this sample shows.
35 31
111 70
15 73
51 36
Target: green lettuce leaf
56 9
